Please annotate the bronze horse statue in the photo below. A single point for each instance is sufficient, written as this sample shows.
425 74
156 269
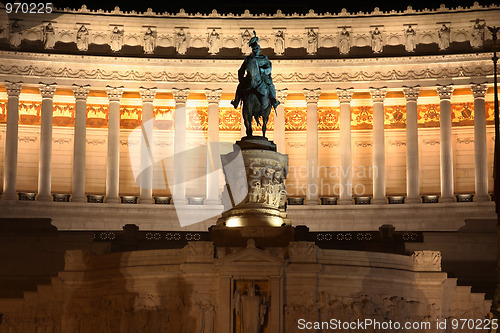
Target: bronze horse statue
256 89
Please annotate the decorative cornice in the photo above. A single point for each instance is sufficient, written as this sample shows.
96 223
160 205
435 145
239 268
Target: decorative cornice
279 14
81 92
479 90
13 88
282 94
180 95
468 69
213 95
147 94
411 93
445 91
114 93
47 90
345 95
378 94
312 95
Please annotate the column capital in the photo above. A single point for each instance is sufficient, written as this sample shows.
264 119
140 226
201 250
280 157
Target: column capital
282 94
81 92
13 88
411 93
345 95
213 95
312 95
147 94
479 90
444 91
47 90
114 93
378 94
180 95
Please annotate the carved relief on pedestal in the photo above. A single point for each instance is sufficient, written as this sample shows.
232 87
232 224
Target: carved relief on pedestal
426 260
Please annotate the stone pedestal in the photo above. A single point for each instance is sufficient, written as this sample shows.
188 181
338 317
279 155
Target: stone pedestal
255 193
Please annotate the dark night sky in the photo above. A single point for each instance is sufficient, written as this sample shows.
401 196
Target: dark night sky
269 6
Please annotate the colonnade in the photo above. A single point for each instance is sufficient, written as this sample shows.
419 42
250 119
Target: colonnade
213 96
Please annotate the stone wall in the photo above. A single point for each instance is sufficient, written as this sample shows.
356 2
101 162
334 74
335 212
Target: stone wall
197 289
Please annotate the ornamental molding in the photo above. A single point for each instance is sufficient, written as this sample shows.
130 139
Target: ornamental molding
465 140
61 140
213 95
445 91
479 90
13 88
378 94
363 144
345 95
432 142
81 92
147 94
28 139
471 70
114 93
96 142
426 260
330 144
312 95
279 14
411 93
296 145
47 90
281 94
397 143
180 95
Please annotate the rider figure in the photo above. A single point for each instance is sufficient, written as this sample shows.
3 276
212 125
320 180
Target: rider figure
261 81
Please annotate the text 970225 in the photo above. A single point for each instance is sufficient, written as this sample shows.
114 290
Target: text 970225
28 7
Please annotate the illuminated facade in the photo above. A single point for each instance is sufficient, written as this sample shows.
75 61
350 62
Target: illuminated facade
386 118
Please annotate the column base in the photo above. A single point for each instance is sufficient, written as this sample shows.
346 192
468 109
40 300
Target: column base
312 202
345 201
44 197
481 198
379 201
146 201
9 196
112 200
413 200
75 198
180 202
446 199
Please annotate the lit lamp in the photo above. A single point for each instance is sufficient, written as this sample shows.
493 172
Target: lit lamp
495 306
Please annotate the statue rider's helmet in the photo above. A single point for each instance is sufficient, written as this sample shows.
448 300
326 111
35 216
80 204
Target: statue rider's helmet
254 43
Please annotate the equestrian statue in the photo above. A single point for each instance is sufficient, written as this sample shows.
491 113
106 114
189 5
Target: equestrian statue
255 89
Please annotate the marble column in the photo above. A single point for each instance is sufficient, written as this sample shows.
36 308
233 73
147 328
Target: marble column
11 137
279 121
312 160
345 96
446 146
378 96
113 160
179 189
45 158
80 142
213 155
480 152
147 159
412 159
